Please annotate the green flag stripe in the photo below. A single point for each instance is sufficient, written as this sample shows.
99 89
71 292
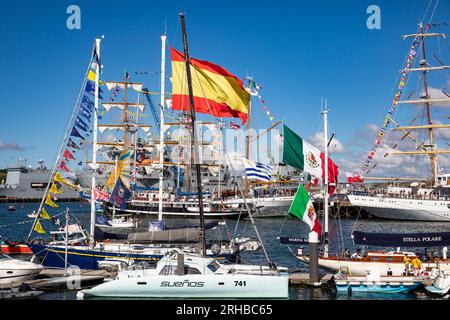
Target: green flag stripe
293 149
300 203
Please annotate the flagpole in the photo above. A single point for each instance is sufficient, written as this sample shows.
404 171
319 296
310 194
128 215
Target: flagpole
325 183
161 133
247 134
194 140
94 141
66 242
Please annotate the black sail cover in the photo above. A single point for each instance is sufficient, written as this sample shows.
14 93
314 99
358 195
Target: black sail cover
292 240
434 239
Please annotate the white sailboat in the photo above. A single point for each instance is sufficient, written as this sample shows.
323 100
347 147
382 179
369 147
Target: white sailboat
180 275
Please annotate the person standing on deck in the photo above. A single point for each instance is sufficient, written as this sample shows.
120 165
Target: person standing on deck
407 264
417 264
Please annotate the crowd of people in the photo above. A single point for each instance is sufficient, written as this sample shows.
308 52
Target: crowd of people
403 194
412 267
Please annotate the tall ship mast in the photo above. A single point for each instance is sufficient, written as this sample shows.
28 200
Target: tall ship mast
425 199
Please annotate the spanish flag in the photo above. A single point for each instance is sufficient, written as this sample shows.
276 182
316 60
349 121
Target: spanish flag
38 227
49 201
216 91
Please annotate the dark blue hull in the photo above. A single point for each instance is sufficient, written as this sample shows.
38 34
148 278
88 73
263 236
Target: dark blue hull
85 258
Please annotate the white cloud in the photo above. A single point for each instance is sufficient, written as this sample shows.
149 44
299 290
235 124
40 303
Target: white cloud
390 165
444 162
108 137
437 93
5 146
442 133
336 145
373 128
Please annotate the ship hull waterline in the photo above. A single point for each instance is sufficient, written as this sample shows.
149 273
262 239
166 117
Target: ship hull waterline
403 209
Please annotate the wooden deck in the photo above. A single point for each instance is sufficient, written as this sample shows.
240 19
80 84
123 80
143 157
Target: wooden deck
302 279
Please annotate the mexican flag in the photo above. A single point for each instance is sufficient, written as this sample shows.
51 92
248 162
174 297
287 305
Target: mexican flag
301 155
302 208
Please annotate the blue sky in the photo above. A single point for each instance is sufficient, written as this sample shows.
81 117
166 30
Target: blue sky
299 51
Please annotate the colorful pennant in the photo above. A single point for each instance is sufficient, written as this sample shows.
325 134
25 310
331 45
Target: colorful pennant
38 228
49 201
44 214
63 166
392 109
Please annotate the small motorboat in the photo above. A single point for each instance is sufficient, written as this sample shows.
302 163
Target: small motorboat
16 271
11 208
32 215
123 223
118 225
373 282
440 285
188 275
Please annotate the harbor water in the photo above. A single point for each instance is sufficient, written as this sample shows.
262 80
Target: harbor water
15 226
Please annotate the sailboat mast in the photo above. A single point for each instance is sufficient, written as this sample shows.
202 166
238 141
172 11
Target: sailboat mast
161 133
247 136
325 183
433 156
94 140
194 140
135 140
125 112
219 191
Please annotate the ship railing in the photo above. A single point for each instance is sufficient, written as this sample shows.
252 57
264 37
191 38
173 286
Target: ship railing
402 195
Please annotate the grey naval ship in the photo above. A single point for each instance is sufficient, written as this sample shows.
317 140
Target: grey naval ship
25 183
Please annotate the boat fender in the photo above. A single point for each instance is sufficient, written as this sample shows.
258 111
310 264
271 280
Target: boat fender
349 290
80 295
215 249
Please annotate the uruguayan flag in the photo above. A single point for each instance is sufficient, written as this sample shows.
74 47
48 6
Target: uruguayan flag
257 171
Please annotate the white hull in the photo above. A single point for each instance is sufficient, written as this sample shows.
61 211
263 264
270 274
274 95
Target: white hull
8 276
272 207
356 267
440 286
403 209
16 271
199 277
208 215
195 286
